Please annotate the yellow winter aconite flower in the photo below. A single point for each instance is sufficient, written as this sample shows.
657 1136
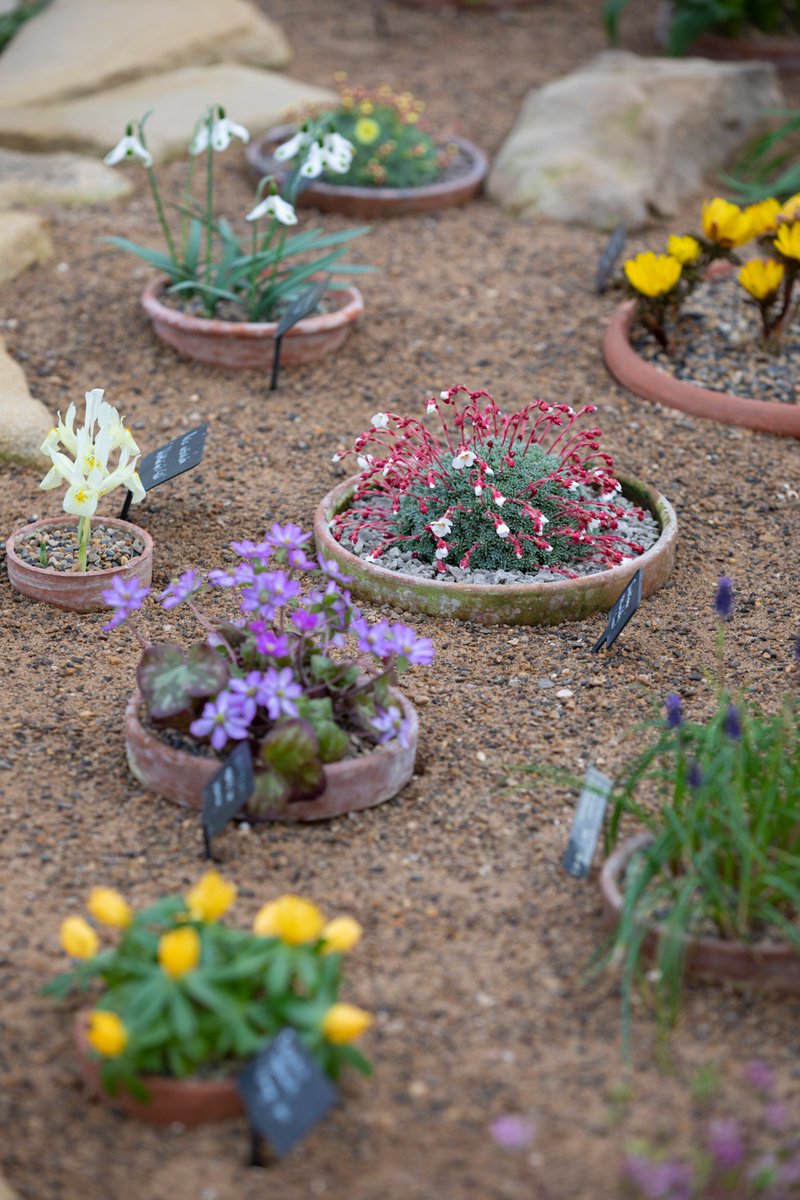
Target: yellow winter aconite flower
763 217
366 130
107 1034
179 951
211 897
725 223
341 934
78 938
790 210
788 240
290 918
653 274
685 249
761 277
366 107
344 1023
109 908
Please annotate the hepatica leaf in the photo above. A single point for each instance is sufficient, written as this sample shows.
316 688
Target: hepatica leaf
171 680
289 767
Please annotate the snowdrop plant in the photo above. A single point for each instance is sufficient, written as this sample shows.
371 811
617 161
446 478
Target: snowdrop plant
80 458
204 258
279 677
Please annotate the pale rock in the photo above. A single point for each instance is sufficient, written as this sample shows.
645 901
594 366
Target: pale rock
24 241
75 47
24 423
5 1190
177 99
34 179
626 138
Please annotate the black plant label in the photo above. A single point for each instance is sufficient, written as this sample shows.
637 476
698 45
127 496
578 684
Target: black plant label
587 824
177 456
621 612
285 1092
227 793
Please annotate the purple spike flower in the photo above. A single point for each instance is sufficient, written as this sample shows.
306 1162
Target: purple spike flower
723 601
694 775
125 596
674 709
733 723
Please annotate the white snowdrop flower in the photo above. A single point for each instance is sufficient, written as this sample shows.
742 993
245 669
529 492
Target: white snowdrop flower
289 149
464 458
443 552
219 136
502 530
441 527
276 207
128 147
337 152
380 420
315 162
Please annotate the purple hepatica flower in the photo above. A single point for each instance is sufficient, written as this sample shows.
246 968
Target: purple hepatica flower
247 691
287 537
733 723
268 642
761 1075
278 693
674 708
723 601
510 1132
390 724
661 1180
300 560
220 578
725 1143
248 549
694 776
776 1116
283 588
126 596
258 597
332 569
307 622
372 639
221 719
403 641
182 588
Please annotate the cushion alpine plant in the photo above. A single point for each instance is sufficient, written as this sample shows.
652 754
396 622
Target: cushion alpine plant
277 677
516 490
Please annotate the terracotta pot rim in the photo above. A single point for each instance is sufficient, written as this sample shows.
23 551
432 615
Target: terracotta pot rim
256 152
660 508
647 381
351 307
93 573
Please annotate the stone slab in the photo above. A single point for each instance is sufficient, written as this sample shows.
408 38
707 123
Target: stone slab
76 47
33 179
24 424
24 241
252 97
626 138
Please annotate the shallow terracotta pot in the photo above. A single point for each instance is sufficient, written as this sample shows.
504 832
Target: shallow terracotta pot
771 965
650 383
188 1101
351 785
503 604
370 202
250 343
76 592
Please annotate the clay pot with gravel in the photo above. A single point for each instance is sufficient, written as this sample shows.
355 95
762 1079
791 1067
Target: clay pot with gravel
458 525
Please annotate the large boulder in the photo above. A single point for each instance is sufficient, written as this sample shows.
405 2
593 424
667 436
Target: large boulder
628 138
75 47
24 241
34 179
24 422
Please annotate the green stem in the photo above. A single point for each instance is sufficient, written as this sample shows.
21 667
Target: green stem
253 271
84 530
151 178
209 201
185 217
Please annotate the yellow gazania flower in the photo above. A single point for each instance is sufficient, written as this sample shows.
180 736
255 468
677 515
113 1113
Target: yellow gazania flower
110 908
179 951
763 217
341 934
788 240
790 211
761 277
107 1034
686 249
344 1023
78 938
725 223
366 130
653 274
291 919
211 897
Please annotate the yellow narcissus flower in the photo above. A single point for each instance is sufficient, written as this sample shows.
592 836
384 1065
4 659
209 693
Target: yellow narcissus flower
341 934
211 897
366 130
790 211
291 919
107 1034
78 938
761 277
788 240
653 274
109 908
686 249
725 223
344 1023
763 217
179 951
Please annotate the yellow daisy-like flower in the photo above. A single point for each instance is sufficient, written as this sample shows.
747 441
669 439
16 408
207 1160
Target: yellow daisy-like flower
179 951
290 918
653 274
686 249
725 223
106 1033
366 130
110 908
762 277
788 240
344 1023
78 938
341 934
763 217
211 897
790 210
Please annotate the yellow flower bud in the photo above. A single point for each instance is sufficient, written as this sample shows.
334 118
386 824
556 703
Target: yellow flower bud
179 951
653 274
725 223
763 217
107 1034
109 908
366 130
790 211
762 277
291 919
341 934
344 1023
211 897
78 938
686 249
788 240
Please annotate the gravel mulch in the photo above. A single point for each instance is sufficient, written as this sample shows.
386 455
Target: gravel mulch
58 548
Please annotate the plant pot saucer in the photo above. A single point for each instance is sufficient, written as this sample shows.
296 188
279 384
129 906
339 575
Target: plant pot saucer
371 202
647 381
504 604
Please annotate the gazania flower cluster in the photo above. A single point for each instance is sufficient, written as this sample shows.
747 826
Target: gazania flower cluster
177 994
492 489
